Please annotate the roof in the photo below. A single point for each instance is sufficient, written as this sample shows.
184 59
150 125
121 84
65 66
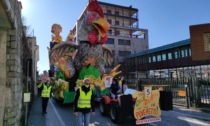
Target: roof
162 48
114 5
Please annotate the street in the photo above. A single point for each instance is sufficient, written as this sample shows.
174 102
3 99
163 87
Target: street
63 116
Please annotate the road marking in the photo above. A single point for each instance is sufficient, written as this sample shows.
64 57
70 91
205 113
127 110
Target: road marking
192 116
61 122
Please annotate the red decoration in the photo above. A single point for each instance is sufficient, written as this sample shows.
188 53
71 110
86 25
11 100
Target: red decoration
91 17
94 6
103 40
93 37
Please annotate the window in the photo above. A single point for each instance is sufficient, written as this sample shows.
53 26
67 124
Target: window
110 32
109 11
110 21
182 53
186 53
117 22
169 56
124 42
154 58
121 42
149 59
117 32
116 12
158 57
127 42
110 41
163 57
176 54
206 38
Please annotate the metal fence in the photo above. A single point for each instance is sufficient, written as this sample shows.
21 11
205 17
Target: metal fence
188 92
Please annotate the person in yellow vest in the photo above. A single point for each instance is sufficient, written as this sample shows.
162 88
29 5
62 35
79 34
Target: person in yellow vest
45 94
84 103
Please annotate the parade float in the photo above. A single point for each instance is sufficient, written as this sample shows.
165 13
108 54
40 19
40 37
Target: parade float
71 62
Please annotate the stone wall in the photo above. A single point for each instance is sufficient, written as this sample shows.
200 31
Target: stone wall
3 39
14 52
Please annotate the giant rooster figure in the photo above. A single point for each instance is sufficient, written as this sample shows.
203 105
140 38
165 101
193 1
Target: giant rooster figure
90 55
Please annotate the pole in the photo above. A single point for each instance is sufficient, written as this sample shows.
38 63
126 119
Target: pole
187 95
136 69
26 109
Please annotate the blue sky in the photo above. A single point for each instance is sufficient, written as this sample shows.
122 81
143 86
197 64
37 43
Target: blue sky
167 21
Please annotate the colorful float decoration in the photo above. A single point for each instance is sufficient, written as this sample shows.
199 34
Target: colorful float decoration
71 36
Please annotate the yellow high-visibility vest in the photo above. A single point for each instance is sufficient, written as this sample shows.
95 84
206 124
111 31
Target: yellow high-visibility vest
84 100
46 91
40 84
120 83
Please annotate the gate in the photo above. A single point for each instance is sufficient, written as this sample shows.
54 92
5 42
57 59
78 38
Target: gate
188 92
199 92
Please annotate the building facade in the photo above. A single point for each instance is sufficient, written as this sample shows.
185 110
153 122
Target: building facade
16 64
200 41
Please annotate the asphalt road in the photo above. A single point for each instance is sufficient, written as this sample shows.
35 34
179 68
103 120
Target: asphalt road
64 117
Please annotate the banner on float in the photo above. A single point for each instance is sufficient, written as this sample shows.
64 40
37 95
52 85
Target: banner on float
150 120
147 103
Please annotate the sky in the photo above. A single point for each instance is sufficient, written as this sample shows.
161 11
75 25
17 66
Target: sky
167 21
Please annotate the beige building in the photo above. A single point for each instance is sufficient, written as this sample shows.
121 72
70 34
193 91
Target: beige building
125 36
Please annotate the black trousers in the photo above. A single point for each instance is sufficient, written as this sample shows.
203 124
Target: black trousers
44 104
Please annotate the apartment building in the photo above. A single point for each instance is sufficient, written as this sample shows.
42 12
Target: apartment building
124 37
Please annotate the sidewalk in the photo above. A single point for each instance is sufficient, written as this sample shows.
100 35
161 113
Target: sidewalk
36 118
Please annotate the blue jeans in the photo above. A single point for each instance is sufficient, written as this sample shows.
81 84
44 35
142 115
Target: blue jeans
83 118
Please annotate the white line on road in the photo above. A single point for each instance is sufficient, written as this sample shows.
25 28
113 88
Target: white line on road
193 116
57 114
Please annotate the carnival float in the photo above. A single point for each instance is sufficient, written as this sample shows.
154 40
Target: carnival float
71 62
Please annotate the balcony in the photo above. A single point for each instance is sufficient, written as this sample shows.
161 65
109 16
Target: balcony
125 15
123 25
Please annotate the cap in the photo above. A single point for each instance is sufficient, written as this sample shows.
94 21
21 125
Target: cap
85 80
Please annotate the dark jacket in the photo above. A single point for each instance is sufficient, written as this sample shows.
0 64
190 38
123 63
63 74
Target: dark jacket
76 98
114 88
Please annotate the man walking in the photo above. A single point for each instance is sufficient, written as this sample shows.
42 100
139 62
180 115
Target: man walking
84 103
46 93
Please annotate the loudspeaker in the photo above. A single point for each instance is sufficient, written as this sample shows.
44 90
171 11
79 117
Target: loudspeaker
166 102
126 105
